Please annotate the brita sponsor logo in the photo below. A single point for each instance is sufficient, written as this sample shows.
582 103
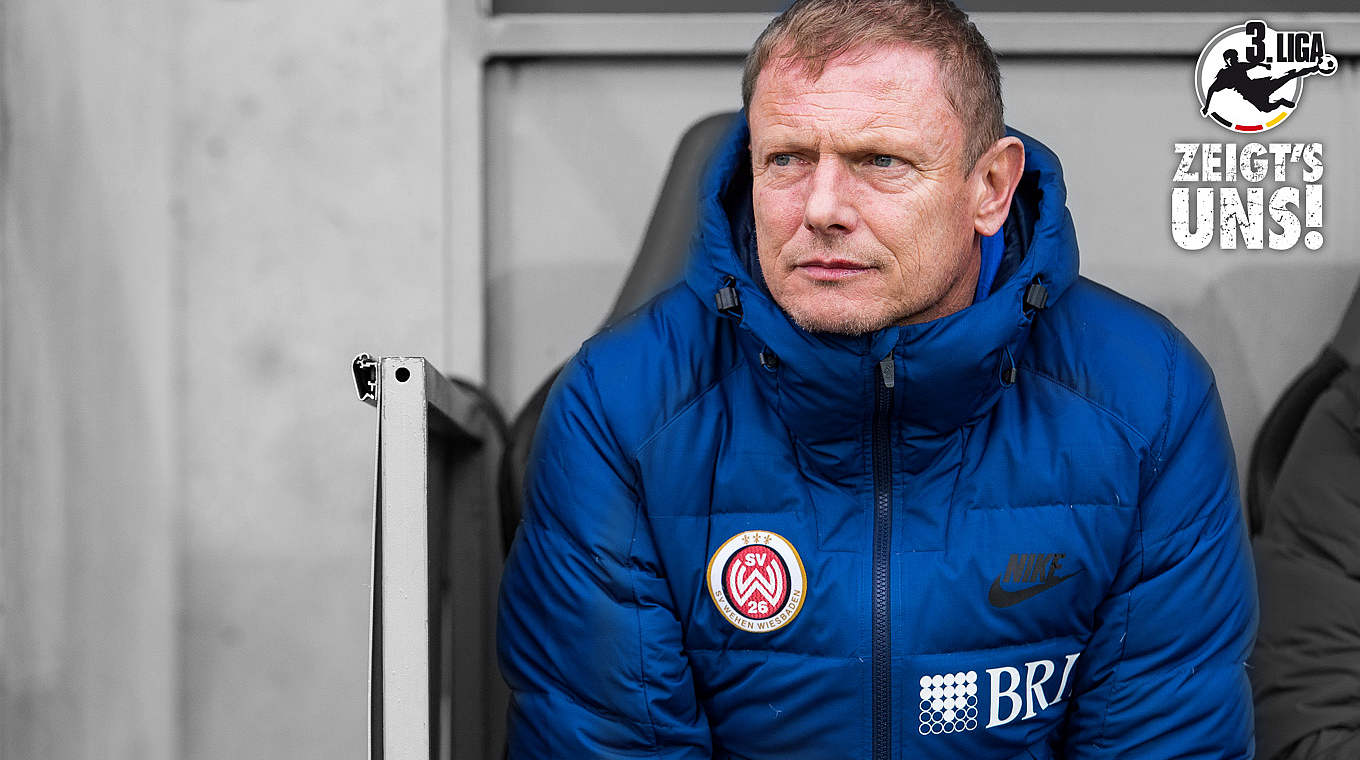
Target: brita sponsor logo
1013 699
950 701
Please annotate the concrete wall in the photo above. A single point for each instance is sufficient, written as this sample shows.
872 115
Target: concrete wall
310 187
209 207
88 629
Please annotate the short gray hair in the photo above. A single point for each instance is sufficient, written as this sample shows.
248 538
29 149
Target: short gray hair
812 32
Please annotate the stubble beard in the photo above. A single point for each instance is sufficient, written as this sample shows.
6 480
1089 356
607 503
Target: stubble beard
849 320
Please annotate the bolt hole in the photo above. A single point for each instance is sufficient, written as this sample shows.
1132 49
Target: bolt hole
403 374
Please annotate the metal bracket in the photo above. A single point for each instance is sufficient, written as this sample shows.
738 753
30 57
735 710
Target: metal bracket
434 691
366 379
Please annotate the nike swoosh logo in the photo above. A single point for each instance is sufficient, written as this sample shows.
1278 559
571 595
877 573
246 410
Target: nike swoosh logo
1000 597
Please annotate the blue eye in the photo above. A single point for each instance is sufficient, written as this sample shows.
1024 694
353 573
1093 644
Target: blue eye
884 161
783 159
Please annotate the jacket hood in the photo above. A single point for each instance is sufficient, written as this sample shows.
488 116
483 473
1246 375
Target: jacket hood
947 372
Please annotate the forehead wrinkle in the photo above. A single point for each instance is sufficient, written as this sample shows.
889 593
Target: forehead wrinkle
905 107
854 114
887 92
830 133
892 98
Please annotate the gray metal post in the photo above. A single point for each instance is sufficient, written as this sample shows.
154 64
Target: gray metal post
434 691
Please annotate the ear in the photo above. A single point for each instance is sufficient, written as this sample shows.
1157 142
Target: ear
993 181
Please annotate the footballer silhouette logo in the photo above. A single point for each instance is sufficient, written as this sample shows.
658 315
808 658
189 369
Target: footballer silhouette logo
1250 77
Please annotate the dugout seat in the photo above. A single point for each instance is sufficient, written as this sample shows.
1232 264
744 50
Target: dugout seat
659 263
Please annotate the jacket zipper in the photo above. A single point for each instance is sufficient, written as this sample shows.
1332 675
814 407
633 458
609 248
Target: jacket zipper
882 631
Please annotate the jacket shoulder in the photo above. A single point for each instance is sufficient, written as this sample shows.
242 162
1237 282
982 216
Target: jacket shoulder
649 366
1122 356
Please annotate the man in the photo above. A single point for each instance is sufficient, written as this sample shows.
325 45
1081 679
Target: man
883 478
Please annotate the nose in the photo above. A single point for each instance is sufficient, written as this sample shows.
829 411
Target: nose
827 210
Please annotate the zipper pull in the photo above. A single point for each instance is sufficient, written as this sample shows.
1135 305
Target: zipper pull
887 371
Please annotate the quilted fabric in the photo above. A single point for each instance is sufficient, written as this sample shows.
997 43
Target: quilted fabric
1066 572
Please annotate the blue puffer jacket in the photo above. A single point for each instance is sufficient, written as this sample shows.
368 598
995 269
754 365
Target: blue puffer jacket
743 540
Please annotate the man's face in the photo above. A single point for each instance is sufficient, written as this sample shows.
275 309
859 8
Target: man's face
864 215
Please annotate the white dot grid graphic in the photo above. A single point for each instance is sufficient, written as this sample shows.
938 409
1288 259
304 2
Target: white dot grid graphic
949 703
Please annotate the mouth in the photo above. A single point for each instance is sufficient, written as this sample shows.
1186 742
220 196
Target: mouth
832 270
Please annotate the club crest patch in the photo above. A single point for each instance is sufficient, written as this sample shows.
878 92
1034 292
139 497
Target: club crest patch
757 581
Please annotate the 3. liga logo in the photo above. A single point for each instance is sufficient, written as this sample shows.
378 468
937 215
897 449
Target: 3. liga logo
1250 77
757 581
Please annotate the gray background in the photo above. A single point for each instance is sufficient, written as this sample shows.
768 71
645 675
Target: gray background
208 207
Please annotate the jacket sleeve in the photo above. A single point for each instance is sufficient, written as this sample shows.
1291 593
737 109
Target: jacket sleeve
1164 673
588 637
